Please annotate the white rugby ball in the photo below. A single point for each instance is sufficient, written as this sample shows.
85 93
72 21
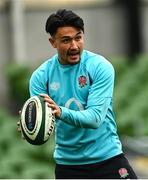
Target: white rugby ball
37 121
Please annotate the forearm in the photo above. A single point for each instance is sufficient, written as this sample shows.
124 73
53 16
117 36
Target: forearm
91 117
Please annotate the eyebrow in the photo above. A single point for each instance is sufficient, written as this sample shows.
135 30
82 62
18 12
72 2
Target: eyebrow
69 36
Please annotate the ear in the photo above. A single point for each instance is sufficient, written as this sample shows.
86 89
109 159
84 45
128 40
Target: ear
52 42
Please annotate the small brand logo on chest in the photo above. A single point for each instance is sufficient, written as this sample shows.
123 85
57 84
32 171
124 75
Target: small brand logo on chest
54 86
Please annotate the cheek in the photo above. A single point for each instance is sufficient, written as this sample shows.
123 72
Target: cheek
81 44
62 50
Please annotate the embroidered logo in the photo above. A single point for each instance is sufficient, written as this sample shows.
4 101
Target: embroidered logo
123 172
55 86
82 81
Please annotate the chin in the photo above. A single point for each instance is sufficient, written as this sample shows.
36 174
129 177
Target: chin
73 62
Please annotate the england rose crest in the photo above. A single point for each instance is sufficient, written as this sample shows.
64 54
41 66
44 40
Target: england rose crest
82 81
123 172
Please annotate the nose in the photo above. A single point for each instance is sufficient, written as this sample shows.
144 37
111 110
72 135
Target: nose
73 44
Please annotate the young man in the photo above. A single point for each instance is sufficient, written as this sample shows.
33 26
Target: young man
78 85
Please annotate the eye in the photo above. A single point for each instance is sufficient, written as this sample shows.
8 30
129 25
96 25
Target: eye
66 41
78 38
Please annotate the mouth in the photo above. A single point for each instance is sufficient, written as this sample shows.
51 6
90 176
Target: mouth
74 55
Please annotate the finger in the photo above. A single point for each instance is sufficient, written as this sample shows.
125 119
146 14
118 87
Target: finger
18 123
44 95
22 136
19 112
48 100
19 129
53 106
54 112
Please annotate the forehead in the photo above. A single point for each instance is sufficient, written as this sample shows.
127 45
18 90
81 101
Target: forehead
67 31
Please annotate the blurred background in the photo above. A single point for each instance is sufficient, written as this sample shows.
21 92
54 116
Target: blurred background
117 29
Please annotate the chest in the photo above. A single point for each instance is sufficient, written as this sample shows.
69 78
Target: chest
69 85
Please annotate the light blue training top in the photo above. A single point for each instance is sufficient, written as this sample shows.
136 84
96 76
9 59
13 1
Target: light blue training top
86 131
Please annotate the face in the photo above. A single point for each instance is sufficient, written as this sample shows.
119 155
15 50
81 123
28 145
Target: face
69 43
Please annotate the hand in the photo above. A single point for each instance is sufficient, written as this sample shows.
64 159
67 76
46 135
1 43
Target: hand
19 127
56 111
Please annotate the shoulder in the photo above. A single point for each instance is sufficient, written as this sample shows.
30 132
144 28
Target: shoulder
46 64
96 64
42 70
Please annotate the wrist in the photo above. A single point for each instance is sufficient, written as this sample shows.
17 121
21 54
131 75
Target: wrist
58 115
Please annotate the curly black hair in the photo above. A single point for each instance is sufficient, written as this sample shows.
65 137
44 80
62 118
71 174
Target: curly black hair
63 18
